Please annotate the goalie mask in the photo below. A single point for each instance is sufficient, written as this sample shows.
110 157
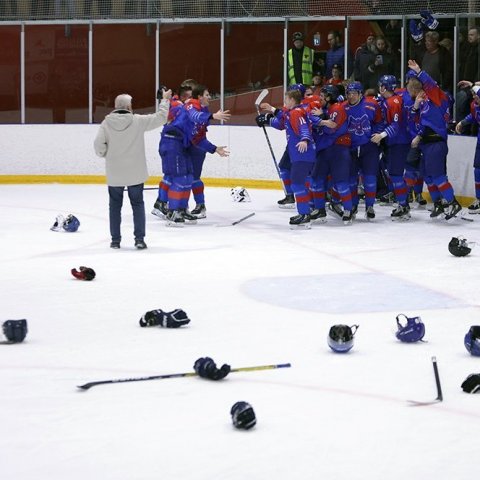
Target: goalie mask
459 247
412 331
340 338
472 340
243 415
239 194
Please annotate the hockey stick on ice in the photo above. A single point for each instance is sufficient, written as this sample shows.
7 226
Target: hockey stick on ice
414 403
259 99
86 386
236 222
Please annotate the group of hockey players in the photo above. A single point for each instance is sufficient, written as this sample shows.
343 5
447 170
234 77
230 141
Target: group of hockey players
334 144
183 147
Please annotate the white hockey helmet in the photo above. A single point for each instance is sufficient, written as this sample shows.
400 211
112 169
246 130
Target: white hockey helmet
239 194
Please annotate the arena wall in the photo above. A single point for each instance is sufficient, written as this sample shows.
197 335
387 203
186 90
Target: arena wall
64 154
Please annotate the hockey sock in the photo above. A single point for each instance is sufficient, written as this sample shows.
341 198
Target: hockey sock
476 174
354 190
418 187
197 189
163 188
317 189
444 187
179 192
302 198
343 190
432 189
287 182
400 189
370 187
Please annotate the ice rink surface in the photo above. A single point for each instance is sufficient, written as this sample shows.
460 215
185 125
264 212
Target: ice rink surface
257 293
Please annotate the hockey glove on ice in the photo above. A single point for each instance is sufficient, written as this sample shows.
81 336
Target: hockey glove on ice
174 319
205 367
263 119
85 273
15 331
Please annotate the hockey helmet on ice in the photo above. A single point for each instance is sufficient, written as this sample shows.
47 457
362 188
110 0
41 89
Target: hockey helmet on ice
340 337
412 331
239 194
472 340
459 246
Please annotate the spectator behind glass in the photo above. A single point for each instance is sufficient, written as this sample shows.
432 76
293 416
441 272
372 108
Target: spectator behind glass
300 62
317 84
336 54
364 56
337 76
436 60
382 63
469 72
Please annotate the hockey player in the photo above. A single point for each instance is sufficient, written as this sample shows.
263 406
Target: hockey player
285 165
333 154
200 116
301 150
364 119
474 116
397 142
430 114
160 208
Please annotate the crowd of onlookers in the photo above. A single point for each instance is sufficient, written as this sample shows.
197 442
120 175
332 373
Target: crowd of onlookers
380 54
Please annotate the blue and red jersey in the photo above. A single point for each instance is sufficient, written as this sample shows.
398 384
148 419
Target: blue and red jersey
364 119
325 136
433 114
298 128
395 119
200 118
473 116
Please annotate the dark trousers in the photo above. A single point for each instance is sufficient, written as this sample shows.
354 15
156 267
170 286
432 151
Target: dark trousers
135 194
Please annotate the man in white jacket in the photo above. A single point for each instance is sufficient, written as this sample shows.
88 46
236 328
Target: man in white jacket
120 140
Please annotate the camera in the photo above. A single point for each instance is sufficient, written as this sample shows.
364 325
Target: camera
379 59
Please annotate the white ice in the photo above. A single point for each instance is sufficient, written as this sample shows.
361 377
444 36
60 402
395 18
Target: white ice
257 293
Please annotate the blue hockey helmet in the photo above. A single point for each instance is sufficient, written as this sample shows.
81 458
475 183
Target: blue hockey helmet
354 87
413 331
340 337
71 223
330 91
472 340
389 82
298 86
410 74
243 415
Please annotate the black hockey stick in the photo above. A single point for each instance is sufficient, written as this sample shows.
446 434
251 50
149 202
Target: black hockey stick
259 99
236 222
415 403
86 386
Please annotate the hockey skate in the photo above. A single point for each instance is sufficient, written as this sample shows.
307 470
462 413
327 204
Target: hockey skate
287 202
318 215
370 214
300 221
452 209
387 199
188 217
348 217
175 219
160 209
199 211
336 209
420 200
474 207
438 209
401 213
